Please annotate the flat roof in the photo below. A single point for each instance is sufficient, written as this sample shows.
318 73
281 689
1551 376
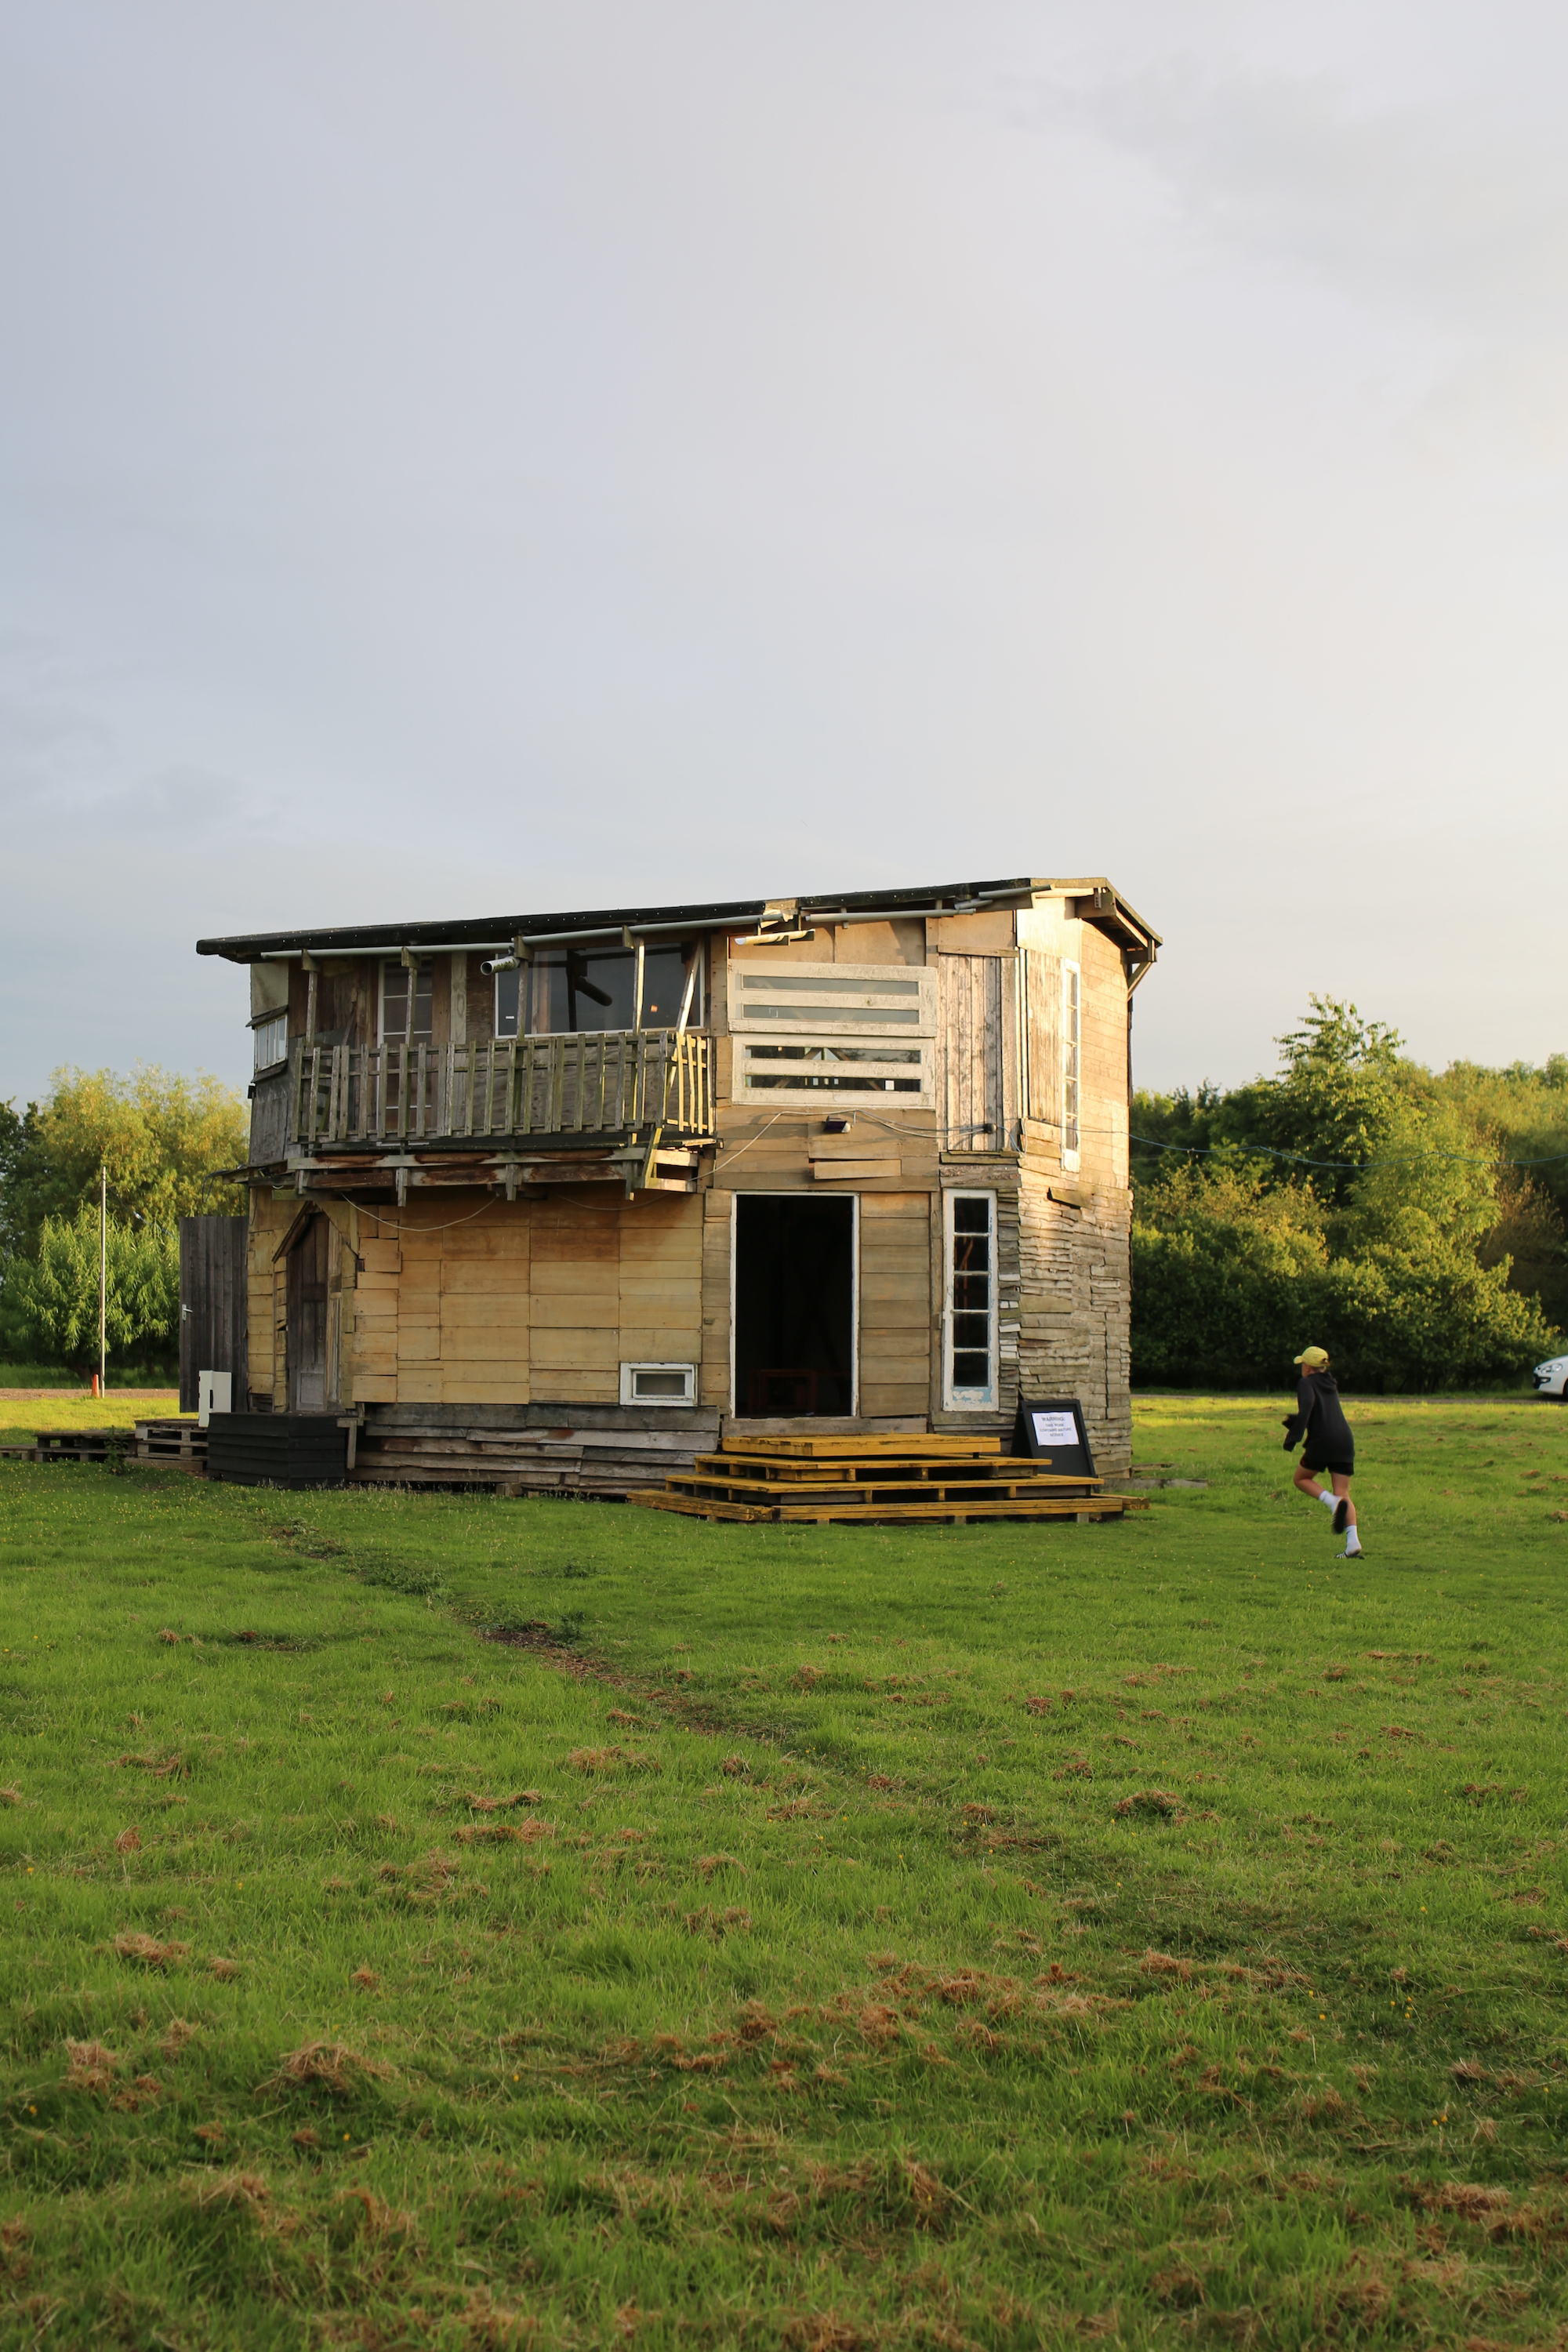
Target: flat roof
499 931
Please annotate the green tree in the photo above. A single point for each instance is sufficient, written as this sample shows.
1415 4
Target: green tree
48 1304
160 1137
1383 1236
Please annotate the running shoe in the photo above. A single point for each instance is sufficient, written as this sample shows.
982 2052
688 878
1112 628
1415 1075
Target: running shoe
1341 1515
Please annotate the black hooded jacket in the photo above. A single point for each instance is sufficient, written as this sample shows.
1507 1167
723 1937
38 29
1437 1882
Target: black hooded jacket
1317 1418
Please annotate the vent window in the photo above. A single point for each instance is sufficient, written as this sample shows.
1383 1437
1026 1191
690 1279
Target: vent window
658 1384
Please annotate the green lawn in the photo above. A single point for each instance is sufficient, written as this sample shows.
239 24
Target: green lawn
833 1937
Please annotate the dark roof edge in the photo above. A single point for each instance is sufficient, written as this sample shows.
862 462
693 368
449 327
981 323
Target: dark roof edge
716 915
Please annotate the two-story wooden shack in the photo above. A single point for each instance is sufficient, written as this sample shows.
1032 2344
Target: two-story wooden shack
551 1199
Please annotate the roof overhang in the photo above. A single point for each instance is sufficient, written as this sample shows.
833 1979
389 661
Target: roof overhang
1095 900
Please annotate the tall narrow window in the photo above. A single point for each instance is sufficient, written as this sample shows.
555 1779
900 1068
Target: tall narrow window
970 1372
1072 1056
407 1004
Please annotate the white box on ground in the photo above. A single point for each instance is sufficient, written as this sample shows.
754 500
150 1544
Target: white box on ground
214 1393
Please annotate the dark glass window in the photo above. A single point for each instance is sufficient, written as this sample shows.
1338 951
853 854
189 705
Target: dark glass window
564 991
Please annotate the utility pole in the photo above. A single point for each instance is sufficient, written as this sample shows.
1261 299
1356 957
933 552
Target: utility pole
102 1277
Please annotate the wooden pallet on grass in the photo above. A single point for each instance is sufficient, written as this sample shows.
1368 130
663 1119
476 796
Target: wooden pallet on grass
888 1514
891 1480
173 1442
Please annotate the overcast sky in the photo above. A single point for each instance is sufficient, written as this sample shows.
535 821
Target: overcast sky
461 457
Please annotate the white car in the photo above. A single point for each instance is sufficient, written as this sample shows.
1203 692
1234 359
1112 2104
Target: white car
1552 1378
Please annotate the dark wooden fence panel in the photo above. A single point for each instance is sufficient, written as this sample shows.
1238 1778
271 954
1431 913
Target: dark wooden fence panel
211 1303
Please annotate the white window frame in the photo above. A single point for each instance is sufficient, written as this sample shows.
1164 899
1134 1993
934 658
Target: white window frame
735 1199
770 998
968 1399
276 1021
382 964
1072 1063
629 1389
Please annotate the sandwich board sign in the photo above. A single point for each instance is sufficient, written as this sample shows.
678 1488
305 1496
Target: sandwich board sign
1050 1431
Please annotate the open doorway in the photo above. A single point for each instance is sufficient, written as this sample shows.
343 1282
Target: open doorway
795 1305
307 1311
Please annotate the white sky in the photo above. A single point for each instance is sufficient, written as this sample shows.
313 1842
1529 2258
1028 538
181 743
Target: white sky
469 456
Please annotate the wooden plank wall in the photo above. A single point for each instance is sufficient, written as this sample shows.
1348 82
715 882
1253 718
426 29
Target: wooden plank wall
895 1303
527 1301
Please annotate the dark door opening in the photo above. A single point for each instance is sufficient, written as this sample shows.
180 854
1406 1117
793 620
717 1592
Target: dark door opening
308 1319
795 1305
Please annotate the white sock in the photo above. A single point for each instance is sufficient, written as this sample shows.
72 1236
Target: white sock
1329 1500
1352 1543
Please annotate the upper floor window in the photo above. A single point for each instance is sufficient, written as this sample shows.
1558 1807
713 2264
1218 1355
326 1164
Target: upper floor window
564 991
407 1003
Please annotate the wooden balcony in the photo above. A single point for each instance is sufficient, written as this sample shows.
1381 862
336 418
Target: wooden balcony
497 1094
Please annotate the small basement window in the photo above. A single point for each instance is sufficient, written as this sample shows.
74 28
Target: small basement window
658 1384
271 1039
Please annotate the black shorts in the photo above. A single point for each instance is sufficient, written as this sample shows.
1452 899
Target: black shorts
1342 1466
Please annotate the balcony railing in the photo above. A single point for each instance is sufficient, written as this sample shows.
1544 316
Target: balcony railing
600 1083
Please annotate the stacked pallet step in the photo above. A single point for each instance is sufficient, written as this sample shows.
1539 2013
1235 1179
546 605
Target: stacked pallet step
881 1480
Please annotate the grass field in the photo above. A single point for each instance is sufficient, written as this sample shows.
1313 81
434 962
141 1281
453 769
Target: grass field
819 1939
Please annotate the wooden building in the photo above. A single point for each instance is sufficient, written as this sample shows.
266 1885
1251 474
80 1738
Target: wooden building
545 1188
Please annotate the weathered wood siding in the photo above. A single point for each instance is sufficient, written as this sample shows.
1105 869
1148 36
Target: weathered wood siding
895 1315
1075 1297
214 1303
980 1050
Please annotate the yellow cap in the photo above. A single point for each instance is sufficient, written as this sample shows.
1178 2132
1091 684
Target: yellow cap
1313 1358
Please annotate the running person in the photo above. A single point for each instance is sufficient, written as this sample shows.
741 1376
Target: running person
1329 1444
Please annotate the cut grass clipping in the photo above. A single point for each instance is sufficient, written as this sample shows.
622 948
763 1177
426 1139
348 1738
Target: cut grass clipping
818 1939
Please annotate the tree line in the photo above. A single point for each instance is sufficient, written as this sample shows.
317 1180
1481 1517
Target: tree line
159 1139
1357 1200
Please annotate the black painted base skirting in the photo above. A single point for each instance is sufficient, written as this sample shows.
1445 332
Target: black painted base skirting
278 1449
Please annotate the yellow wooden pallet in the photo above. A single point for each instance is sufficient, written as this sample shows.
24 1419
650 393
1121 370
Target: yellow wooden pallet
936 1446
740 1463
961 1483
702 1507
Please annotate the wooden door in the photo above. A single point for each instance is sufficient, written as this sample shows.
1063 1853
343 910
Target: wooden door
308 1318
214 1275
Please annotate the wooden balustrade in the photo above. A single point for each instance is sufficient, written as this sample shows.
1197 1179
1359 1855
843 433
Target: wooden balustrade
600 1082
